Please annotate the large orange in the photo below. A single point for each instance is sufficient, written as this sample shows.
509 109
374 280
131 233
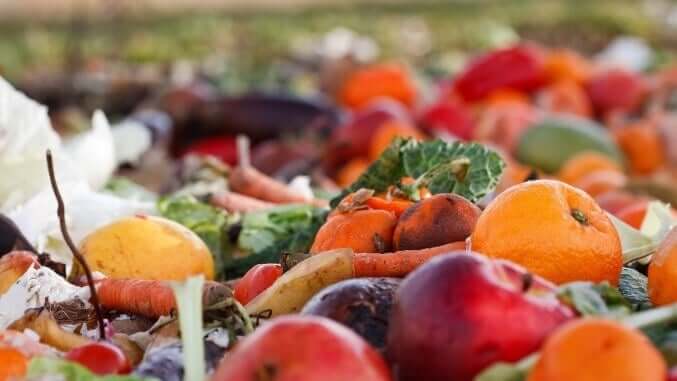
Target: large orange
663 271
598 350
585 163
552 229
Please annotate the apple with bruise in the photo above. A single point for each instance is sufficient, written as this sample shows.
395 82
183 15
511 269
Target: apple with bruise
459 313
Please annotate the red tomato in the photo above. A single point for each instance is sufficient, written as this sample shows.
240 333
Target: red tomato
521 67
256 280
616 89
449 117
221 147
101 358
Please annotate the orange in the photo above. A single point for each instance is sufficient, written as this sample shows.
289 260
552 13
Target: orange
643 146
388 80
350 172
564 64
388 131
584 163
552 229
595 349
13 364
364 231
663 271
600 182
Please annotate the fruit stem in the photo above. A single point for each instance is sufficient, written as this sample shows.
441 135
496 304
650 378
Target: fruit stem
579 216
645 319
61 212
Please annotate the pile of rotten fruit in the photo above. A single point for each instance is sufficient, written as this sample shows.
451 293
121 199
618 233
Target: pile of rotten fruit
514 226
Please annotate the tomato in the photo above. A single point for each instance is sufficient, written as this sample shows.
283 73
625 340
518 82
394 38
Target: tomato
616 89
256 280
221 147
521 67
449 117
101 358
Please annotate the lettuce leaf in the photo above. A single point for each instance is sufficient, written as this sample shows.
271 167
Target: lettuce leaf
470 170
267 234
208 222
188 296
52 368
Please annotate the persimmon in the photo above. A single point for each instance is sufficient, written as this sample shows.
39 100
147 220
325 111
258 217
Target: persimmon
435 221
663 271
609 350
364 231
643 146
554 230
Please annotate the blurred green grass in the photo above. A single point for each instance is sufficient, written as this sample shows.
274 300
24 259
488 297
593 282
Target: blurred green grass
253 39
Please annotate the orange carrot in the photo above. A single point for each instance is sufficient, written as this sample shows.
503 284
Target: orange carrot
234 202
394 205
250 182
397 264
152 298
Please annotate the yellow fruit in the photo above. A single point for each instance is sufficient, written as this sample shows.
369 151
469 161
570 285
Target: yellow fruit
145 247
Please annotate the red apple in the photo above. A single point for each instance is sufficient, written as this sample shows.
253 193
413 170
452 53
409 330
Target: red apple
302 348
460 313
616 89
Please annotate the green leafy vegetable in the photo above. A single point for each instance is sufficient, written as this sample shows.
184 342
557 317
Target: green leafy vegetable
467 169
188 296
595 299
208 222
127 189
40 367
267 234
633 285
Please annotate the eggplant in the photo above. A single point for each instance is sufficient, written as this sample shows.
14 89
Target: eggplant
259 116
362 305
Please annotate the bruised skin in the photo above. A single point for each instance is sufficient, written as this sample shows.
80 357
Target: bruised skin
363 231
435 221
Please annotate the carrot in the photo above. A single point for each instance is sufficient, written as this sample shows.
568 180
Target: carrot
399 263
152 298
234 202
250 182
394 205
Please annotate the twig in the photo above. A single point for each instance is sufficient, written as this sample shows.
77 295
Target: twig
61 212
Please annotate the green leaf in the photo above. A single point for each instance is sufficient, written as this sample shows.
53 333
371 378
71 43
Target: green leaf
633 285
188 296
470 170
594 299
208 222
41 367
267 234
129 190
